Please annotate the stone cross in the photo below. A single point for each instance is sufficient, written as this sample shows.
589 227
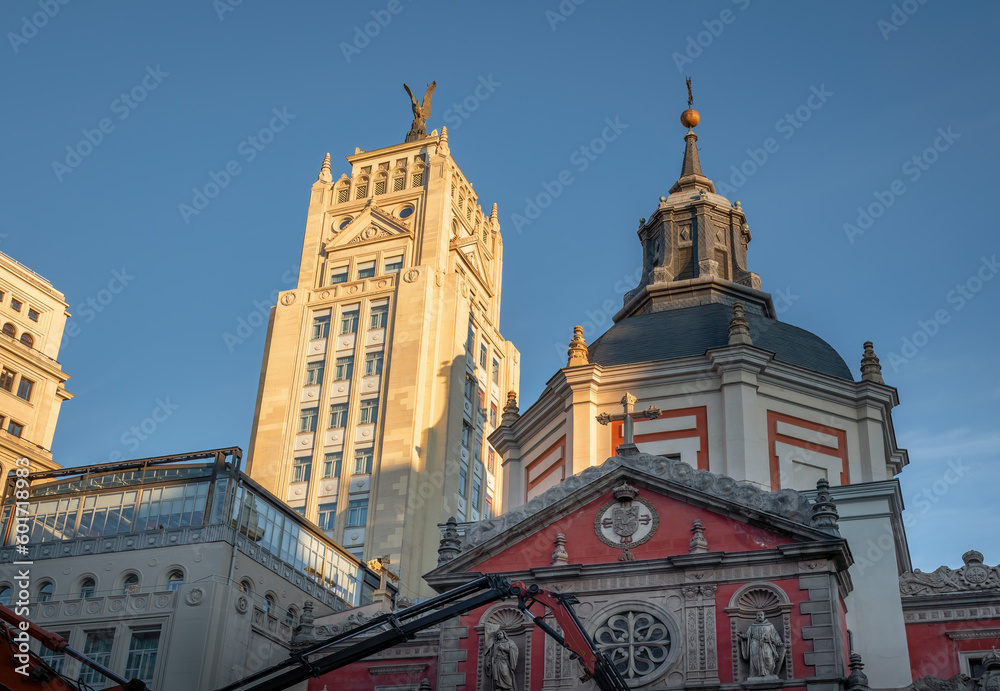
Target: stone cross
629 416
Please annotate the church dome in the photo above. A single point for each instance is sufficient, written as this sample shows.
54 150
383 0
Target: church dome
684 332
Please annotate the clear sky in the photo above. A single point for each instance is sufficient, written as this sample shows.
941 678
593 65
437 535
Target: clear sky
848 93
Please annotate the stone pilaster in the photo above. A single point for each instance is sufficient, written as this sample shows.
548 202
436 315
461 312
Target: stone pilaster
701 648
451 653
824 631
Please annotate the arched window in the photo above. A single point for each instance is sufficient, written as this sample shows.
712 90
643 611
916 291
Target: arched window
130 586
9 330
5 595
45 591
88 587
246 586
175 580
269 603
27 340
361 190
292 617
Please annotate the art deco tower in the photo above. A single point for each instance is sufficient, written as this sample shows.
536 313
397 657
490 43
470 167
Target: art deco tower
384 368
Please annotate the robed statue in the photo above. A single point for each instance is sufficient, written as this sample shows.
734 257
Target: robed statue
421 111
762 647
500 662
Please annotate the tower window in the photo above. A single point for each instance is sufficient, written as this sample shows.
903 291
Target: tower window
380 186
363 461
24 388
366 269
15 304
301 469
373 363
349 321
130 586
175 580
496 371
88 588
369 412
9 330
493 414
393 265
321 326
398 183
32 314
361 192
6 379
307 420
314 372
476 490
463 480
482 355
338 275
45 591
343 194
14 429
343 368
325 517
357 513
338 416
418 179
466 435
332 463
379 316
491 461
27 340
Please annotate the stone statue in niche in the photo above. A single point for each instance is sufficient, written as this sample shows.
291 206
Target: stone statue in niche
762 647
501 661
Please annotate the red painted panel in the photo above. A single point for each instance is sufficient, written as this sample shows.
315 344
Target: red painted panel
773 436
672 537
700 430
933 653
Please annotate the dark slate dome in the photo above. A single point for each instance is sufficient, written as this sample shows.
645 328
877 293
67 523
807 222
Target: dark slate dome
691 331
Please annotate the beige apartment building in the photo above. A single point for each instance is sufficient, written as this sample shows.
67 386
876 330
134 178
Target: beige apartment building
32 384
384 368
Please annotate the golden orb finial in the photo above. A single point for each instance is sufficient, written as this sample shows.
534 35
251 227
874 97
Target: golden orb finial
690 117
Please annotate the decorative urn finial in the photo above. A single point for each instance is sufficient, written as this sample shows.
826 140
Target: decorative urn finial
698 542
739 327
559 555
857 680
824 511
577 349
871 370
510 410
451 545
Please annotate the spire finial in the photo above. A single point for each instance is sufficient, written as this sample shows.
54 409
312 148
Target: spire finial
494 215
443 142
871 370
510 410
739 327
577 349
325 175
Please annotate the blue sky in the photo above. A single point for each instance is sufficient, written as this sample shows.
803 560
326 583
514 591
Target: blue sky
847 93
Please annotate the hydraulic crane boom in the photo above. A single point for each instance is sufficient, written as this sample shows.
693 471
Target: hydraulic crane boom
387 630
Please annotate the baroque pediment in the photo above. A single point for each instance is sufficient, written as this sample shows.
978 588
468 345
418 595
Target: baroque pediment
474 257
